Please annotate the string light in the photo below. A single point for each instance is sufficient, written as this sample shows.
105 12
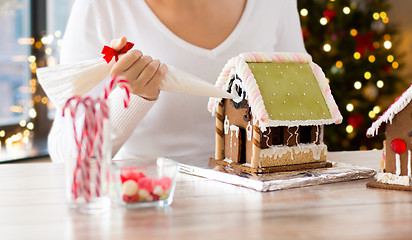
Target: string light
379 84
327 47
339 64
357 55
349 107
371 58
304 12
323 21
376 109
353 32
390 58
357 85
395 65
22 123
387 44
375 16
372 114
367 75
349 129
13 140
346 10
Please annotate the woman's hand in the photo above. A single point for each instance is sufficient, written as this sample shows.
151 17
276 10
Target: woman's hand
143 73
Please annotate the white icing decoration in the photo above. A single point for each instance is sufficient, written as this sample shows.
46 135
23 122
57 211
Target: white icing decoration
322 128
297 134
390 178
290 136
317 133
409 164
280 150
267 137
249 129
234 128
226 125
390 113
398 164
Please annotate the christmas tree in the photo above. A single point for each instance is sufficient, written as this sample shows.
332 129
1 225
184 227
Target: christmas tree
354 43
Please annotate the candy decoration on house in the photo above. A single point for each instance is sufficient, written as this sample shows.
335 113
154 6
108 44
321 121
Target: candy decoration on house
88 175
396 164
276 121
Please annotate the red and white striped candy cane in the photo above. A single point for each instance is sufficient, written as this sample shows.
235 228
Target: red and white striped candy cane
122 83
81 172
90 141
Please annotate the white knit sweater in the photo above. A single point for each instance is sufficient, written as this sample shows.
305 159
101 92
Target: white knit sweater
176 126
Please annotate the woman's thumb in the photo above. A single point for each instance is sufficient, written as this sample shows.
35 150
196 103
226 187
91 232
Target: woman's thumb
118 43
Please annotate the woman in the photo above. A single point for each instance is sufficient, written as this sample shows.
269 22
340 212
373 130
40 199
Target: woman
198 36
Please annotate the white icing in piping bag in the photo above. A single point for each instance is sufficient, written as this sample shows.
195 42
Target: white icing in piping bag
63 81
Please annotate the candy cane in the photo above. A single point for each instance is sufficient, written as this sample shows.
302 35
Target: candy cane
90 141
81 171
122 83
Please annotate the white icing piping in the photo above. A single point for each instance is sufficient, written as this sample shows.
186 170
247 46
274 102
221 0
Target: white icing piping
297 134
249 131
317 133
267 137
398 164
226 125
234 128
390 178
322 129
279 150
394 109
290 135
409 164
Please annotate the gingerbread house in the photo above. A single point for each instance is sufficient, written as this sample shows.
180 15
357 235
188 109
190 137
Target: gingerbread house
277 119
396 164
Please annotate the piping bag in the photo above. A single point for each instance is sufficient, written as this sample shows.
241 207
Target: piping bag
60 82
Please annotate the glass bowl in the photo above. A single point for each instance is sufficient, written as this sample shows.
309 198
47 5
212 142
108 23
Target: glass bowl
143 182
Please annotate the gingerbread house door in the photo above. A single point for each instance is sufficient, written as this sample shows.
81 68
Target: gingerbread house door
235 144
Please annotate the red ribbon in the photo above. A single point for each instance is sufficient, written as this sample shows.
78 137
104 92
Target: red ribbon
109 52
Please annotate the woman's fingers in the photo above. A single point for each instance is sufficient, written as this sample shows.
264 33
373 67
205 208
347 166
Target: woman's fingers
126 62
154 83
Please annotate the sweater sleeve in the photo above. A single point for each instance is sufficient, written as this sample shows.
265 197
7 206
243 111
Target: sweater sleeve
290 35
86 34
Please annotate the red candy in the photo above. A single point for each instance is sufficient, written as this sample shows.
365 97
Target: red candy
398 146
150 189
130 174
164 182
146 183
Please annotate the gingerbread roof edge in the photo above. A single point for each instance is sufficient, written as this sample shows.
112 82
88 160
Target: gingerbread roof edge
387 117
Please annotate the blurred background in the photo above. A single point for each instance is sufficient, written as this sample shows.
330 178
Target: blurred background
363 46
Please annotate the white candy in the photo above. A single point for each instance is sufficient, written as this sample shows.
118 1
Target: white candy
143 193
158 190
130 188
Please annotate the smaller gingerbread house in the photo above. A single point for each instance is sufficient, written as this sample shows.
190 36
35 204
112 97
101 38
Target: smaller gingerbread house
277 119
396 165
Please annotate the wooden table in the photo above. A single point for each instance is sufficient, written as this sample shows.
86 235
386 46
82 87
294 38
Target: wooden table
32 206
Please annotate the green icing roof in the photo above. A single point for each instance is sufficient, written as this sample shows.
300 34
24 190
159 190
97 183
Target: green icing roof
290 91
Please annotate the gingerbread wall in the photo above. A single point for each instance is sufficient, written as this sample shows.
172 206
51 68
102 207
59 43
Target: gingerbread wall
400 127
238 117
